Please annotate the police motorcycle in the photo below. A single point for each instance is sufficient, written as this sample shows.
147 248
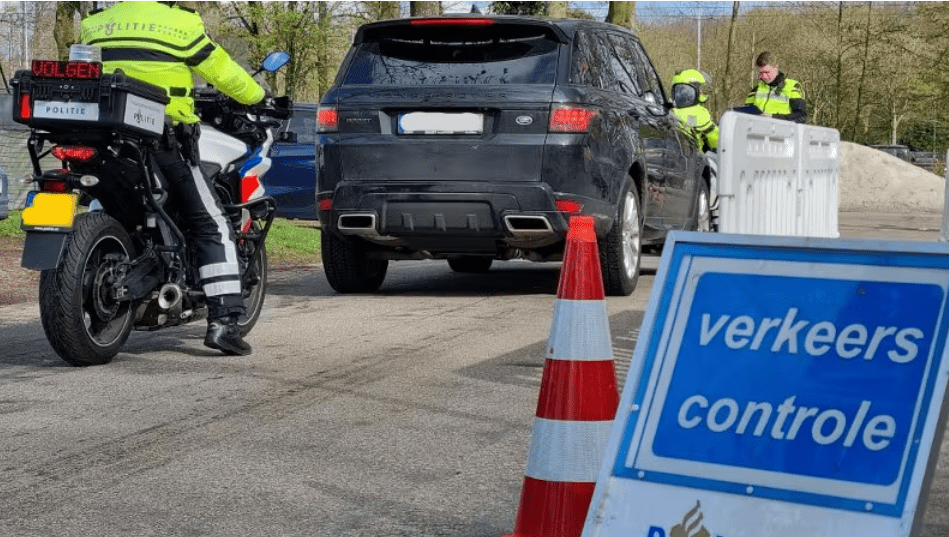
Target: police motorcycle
124 262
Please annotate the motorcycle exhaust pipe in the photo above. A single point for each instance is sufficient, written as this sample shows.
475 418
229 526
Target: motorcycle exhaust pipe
169 296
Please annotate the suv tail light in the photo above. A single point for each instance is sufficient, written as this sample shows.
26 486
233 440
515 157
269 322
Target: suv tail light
570 118
327 119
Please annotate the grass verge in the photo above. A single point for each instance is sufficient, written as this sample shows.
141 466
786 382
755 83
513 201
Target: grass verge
290 242
11 226
293 242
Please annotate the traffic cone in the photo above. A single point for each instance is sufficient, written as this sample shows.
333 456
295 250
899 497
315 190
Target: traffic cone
578 398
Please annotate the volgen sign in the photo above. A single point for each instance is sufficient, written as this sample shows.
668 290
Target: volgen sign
780 387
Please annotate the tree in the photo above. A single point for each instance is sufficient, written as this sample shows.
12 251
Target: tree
557 10
64 32
863 76
536 9
622 14
419 9
378 11
300 28
726 88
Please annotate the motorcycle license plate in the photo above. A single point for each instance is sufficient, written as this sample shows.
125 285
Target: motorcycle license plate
50 211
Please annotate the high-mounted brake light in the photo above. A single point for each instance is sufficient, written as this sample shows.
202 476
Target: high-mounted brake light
452 22
74 153
327 119
57 69
570 119
26 110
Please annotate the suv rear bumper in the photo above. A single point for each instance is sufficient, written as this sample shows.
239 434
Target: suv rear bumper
445 218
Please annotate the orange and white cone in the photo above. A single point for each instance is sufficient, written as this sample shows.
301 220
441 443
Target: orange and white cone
578 398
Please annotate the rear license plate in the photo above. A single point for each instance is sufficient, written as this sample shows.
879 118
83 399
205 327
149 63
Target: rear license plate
66 111
50 211
441 123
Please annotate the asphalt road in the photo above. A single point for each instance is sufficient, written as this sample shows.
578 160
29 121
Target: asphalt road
407 412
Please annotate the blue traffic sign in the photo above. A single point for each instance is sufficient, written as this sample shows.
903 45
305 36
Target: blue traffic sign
794 370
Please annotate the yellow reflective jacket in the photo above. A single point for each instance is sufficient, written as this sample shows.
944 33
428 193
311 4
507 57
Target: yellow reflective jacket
783 99
162 45
700 120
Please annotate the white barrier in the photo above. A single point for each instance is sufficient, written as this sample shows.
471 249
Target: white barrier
777 177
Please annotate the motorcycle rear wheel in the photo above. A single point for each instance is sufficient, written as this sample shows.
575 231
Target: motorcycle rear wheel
255 287
82 322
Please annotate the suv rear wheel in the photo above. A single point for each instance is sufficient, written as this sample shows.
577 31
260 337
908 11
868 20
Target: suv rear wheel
347 267
621 249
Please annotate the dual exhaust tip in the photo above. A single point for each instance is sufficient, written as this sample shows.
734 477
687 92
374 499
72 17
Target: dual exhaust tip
354 223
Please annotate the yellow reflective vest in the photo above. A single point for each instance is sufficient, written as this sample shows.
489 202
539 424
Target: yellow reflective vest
700 120
777 99
162 45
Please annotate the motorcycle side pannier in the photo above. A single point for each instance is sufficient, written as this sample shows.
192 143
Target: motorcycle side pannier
112 103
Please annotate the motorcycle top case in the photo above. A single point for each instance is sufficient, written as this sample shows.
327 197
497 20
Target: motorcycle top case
112 103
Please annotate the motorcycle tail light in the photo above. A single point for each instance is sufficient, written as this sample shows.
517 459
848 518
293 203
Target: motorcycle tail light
568 206
574 119
327 119
26 109
74 153
54 186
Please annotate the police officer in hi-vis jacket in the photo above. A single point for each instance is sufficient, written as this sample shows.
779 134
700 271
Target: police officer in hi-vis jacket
162 44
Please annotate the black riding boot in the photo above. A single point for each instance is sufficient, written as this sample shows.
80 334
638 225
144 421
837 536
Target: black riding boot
224 335
223 332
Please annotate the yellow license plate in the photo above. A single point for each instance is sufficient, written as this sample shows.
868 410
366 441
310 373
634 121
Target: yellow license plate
52 211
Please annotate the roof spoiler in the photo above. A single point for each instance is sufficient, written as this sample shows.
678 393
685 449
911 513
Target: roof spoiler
366 31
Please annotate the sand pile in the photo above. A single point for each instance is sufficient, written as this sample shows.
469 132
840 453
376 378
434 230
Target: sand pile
871 180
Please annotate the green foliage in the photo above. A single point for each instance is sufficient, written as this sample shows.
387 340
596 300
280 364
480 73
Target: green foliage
292 241
11 226
575 13
923 135
309 31
535 9
874 71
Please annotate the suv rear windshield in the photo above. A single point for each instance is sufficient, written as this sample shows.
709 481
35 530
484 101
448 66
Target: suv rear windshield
455 55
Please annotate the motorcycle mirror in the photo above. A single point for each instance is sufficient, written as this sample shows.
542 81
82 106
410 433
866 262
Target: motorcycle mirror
275 60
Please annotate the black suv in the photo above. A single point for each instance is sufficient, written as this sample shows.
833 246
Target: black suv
472 139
